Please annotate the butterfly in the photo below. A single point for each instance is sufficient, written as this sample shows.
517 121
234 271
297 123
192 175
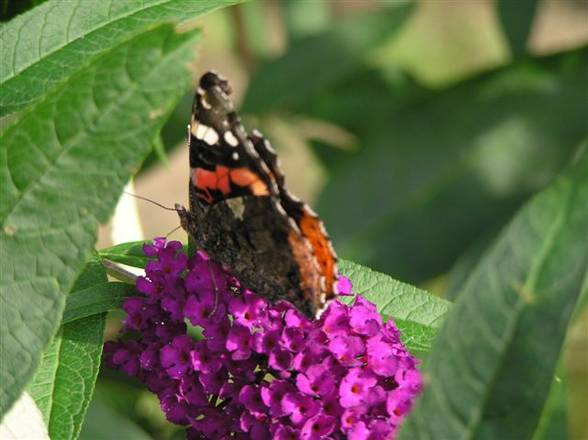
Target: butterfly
241 213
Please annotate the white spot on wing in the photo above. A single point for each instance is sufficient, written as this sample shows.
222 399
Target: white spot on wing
331 248
231 139
311 211
294 226
211 136
269 147
199 130
294 198
281 209
235 155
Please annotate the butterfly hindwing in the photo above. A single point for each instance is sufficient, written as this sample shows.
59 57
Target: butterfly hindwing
309 223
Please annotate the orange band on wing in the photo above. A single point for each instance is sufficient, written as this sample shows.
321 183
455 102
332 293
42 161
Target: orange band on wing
247 178
221 178
311 229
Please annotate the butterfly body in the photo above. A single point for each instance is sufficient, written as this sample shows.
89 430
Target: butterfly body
243 216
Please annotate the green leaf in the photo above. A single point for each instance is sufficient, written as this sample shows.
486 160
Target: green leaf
493 362
130 253
417 313
306 18
517 21
159 151
64 382
448 167
464 265
95 300
290 80
45 46
62 166
418 338
554 420
104 422
12 8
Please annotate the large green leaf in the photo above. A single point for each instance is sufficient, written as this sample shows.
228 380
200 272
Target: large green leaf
447 168
493 362
417 313
45 46
291 79
64 382
62 166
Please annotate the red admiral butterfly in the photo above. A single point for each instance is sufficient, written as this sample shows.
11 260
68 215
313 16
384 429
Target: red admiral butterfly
241 213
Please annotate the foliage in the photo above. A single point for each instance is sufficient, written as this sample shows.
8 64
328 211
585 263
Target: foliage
118 79
64 380
480 185
493 363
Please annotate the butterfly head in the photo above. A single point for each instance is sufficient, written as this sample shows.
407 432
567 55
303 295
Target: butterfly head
213 96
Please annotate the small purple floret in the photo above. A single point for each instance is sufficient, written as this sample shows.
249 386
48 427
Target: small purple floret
260 370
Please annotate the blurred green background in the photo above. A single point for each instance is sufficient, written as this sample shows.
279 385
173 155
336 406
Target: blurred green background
416 130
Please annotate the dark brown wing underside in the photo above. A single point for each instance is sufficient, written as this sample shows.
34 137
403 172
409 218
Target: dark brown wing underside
259 245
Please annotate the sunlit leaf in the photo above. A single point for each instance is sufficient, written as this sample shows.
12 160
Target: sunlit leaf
63 164
64 381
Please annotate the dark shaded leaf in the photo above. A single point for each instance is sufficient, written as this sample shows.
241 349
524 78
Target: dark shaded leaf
446 168
292 79
12 8
104 422
554 421
517 21
493 362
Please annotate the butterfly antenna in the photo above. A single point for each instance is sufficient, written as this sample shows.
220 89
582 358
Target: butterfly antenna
167 208
172 231
215 287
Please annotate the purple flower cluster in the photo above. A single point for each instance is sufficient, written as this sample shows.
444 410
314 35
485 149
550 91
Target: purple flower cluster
260 370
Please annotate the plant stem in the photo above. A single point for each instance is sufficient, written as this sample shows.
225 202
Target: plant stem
115 271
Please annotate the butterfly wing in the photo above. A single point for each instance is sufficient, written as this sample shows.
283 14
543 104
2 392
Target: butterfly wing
223 162
309 223
241 213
